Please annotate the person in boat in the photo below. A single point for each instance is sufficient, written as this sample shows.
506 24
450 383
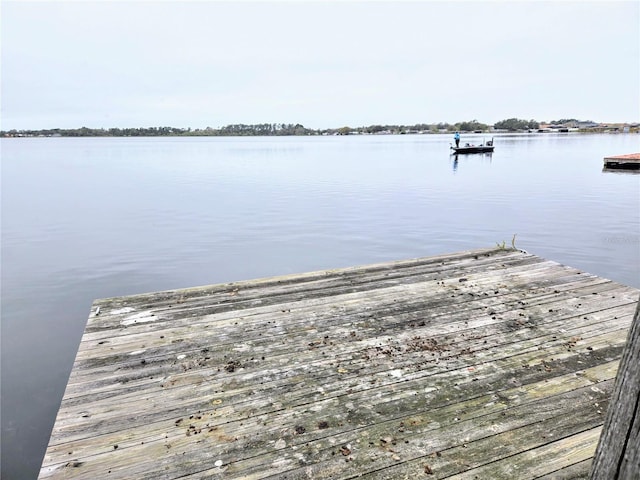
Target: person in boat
456 137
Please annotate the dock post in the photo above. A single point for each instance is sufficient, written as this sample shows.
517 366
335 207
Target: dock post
618 453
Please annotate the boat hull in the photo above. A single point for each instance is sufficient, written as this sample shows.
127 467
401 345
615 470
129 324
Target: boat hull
477 149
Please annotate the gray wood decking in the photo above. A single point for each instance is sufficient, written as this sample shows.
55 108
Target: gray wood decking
486 364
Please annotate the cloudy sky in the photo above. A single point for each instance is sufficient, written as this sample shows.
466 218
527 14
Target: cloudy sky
323 64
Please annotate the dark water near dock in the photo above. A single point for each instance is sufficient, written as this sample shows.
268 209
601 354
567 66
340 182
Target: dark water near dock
98 217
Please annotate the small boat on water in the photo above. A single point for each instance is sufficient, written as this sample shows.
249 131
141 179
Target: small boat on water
468 148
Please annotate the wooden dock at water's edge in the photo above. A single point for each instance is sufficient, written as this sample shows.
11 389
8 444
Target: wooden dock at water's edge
630 161
485 364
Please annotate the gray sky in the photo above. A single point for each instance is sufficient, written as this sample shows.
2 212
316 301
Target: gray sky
322 64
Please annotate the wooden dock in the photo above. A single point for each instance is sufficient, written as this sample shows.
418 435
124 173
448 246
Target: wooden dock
630 161
487 364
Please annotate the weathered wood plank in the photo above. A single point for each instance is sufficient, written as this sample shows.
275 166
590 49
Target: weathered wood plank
577 471
302 313
492 456
184 393
365 371
236 300
539 461
618 453
239 303
400 449
464 421
345 324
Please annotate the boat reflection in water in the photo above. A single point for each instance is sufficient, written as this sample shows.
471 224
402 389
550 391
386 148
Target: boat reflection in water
483 156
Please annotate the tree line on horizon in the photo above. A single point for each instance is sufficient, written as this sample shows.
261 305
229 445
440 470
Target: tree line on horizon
282 129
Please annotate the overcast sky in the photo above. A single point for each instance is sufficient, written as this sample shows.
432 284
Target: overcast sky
322 64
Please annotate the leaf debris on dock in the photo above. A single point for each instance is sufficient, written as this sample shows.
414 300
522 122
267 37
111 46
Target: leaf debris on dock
480 364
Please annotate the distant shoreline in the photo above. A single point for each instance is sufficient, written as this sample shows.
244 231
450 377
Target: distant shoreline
34 135
275 130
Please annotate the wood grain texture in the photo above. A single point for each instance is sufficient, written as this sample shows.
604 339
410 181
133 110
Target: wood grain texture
479 364
618 453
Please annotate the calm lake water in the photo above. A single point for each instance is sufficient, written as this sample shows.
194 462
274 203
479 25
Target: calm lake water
99 217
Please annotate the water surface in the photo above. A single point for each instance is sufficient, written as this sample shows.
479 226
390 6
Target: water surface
99 217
